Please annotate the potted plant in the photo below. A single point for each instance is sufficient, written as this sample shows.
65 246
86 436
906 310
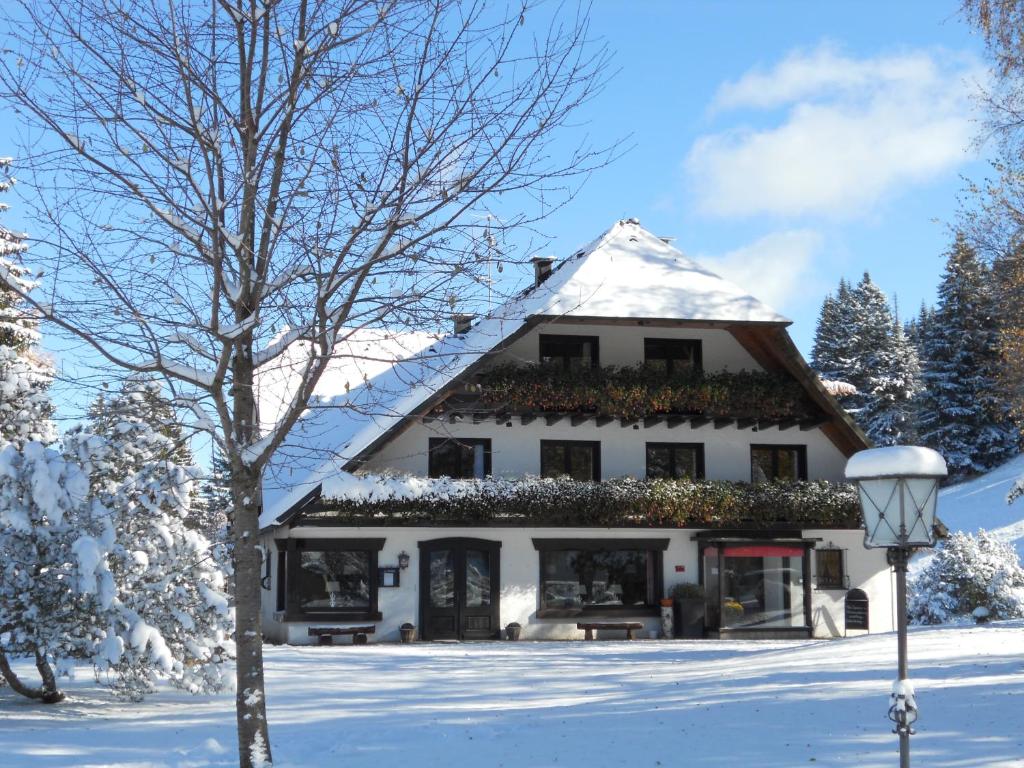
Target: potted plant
688 605
408 631
513 630
731 610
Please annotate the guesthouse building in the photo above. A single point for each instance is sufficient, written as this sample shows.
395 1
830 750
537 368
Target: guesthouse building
629 428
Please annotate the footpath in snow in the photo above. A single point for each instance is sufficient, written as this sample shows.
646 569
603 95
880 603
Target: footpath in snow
646 703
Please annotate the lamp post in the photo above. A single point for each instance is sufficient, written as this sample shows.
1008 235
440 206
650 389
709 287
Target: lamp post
898 488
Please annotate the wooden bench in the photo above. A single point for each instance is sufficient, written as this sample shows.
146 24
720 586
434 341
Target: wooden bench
326 635
629 626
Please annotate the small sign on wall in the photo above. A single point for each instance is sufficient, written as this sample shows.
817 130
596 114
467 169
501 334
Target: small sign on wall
387 576
856 609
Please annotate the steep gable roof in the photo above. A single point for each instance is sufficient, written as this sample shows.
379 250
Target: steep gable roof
627 273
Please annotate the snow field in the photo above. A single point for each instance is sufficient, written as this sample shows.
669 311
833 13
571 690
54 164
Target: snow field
771 704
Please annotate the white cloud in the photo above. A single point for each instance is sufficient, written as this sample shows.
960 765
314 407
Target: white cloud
774 268
850 132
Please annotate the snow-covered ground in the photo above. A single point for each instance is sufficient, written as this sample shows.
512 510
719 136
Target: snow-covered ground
981 503
646 703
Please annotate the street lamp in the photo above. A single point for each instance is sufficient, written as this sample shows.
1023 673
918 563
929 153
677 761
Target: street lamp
899 488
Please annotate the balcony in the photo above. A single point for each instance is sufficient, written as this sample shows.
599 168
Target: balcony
621 502
632 396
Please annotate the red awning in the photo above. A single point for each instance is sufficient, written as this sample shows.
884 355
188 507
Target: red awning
758 550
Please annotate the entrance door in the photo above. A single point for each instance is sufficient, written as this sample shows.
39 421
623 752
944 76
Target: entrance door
459 589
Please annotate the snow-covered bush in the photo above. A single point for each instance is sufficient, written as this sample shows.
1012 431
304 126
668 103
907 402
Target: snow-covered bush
966 573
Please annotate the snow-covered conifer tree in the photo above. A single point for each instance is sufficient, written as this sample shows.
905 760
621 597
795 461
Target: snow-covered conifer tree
25 375
831 354
882 365
212 509
170 614
961 413
53 577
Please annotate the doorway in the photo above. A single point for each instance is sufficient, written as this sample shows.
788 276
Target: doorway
460 589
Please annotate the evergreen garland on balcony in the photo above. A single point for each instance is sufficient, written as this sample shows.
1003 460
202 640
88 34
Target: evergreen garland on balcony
621 502
637 391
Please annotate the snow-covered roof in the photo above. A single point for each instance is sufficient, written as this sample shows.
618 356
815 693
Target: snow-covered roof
626 273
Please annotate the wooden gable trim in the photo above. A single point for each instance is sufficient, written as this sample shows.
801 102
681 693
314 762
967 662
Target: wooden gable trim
657 322
775 351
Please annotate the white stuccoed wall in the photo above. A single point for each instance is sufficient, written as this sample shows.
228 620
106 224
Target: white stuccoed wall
520 569
516 448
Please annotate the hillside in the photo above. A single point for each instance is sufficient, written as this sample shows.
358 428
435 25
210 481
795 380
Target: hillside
981 503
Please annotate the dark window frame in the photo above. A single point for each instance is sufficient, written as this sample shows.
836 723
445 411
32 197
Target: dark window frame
842 582
566 339
754 538
667 345
673 447
595 463
654 547
801 459
293 611
436 443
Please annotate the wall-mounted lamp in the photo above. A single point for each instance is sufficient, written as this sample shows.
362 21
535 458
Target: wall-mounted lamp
403 559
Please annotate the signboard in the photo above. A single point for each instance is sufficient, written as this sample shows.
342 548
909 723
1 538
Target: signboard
856 609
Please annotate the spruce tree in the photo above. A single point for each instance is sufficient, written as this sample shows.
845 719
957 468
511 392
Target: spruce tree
170 614
961 413
831 355
883 367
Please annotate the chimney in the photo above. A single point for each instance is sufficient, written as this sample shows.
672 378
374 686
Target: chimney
462 323
541 268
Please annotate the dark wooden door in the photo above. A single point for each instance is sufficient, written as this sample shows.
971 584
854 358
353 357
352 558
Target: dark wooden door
459 589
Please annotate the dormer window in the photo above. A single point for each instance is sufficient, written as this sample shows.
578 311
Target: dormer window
569 353
673 356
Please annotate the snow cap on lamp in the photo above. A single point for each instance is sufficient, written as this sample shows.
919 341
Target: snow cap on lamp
898 488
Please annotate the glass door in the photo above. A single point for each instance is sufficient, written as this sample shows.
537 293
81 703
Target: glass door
459 589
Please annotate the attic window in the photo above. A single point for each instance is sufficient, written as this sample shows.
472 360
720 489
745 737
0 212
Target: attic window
570 353
673 356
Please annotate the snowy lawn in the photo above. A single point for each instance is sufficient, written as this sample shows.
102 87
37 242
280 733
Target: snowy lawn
645 703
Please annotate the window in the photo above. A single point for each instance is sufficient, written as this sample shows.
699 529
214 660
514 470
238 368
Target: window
569 353
675 461
778 462
459 457
579 459
756 585
673 356
332 578
828 567
595 576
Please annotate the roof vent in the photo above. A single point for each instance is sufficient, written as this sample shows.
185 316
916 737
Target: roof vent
541 268
633 220
462 323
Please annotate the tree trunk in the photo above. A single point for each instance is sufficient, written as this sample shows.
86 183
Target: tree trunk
48 693
250 699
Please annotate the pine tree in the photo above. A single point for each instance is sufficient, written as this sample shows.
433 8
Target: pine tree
961 413
1008 287
883 367
170 616
213 511
830 355
25 375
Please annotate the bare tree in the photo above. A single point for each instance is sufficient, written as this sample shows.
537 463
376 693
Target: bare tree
220 180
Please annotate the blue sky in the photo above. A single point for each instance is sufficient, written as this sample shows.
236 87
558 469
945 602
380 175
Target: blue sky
783 144
788 144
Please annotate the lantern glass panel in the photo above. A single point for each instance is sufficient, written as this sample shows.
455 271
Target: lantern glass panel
880 503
